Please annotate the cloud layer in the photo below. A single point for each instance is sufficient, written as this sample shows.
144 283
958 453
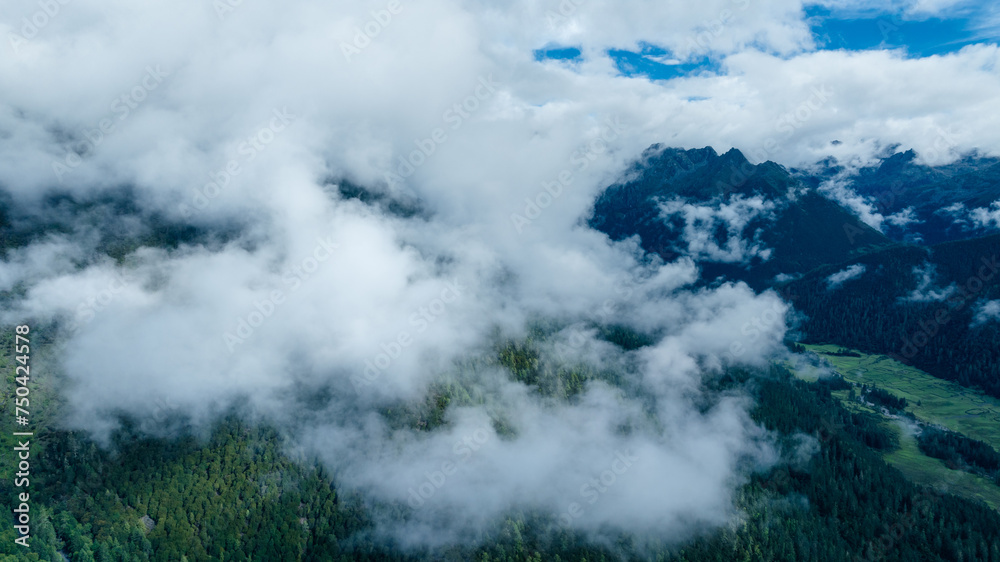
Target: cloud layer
254 119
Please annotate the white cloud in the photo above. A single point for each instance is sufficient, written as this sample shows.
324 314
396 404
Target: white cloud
161 335
840 191
912 9
987 311
926 290
979 217
934 7
703 223
54 254
988 217
837 279
903 218
253 321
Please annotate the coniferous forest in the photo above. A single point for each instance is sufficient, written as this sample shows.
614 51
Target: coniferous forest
236 495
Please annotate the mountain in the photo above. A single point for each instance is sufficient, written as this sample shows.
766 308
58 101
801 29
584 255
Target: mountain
926 306
240 490
934 202
929 305
738 220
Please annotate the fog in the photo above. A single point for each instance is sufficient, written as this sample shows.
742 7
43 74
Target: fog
315 312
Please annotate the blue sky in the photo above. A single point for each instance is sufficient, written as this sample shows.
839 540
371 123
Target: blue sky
650 60
880 29
853 27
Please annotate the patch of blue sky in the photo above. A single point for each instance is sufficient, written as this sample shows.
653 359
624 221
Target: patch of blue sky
572 54
891 27
851 25
657 63
650 61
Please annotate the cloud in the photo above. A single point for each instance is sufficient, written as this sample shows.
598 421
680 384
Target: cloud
911 8
988 311
979 217
840 191
988 217
837 279
702 226
294 289
319 312
903 218
935 8
53 254
926 291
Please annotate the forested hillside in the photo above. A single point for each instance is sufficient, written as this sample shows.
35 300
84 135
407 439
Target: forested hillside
237 490
935 329
237 495
935 199
802 228
915 302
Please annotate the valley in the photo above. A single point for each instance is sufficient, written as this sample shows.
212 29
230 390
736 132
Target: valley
930 400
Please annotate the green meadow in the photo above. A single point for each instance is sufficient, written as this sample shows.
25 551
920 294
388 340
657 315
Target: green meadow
932 472
931 400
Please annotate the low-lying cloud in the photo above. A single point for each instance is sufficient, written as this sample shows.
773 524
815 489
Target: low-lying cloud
926 290
275 290
849 274
719 232
985 312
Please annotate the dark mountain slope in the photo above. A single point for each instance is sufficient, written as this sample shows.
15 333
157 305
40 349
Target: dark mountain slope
802 228
917 304
899 182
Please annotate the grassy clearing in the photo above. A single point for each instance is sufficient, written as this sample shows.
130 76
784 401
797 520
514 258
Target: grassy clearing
931 400
931 472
